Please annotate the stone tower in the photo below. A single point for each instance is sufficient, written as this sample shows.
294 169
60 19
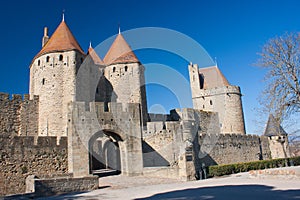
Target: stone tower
124 75
53 78
212 92
278 138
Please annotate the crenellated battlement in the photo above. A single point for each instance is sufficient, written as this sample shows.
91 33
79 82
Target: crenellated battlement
113 109
124 119
230 137
18 114
6 97
161 127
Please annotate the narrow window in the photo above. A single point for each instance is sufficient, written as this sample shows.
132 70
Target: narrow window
210 102
126 68
43 81
201 77
97 91
39 62
81 60
47 59
61 57
114 69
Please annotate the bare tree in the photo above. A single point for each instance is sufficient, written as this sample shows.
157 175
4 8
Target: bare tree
280 56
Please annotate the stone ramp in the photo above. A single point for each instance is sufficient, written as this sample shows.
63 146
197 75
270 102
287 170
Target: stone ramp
287 173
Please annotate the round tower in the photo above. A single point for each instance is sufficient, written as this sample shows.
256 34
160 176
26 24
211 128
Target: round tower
125 74
212 92
53 78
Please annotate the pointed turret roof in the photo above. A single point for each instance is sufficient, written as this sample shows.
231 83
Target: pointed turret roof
213 77
61 40
97 60
273 127
120 52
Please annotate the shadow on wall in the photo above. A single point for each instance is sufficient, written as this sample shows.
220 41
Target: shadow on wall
206 159
152 158
245 192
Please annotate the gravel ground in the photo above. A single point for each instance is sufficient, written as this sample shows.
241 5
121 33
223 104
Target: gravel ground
238 186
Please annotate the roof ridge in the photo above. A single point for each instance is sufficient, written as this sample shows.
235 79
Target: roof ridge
94 56
62 39
120 52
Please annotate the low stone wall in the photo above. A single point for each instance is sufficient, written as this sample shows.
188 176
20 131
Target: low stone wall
161 172
278 173
59 185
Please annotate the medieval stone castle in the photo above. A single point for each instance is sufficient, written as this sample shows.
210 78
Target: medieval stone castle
84 115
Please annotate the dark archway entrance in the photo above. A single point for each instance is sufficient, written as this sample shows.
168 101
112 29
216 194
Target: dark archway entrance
104 153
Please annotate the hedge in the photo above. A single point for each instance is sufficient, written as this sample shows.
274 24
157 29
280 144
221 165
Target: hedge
220 170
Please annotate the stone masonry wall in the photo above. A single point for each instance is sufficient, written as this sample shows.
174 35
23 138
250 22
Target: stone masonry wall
160 146
21 156
232 148
9 114
18 116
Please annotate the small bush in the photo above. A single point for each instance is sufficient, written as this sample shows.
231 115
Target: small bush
221 170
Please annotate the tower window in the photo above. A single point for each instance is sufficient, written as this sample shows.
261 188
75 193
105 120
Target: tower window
126 68
61 57
43 81
210 102
39 62
114 69
97 91
201 77
47 59
81 60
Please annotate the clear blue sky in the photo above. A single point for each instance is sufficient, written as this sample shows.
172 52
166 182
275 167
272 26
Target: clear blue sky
233 31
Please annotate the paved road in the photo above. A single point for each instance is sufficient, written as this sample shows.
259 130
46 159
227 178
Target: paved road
239 186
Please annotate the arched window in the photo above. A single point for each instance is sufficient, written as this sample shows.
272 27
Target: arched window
47 59
114 69
126 68
39 62
61 57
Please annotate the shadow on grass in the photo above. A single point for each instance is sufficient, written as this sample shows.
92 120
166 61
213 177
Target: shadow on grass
230 192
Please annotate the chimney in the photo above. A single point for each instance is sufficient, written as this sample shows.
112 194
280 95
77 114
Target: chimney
45 37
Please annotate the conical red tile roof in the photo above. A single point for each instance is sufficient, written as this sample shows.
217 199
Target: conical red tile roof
61 40
97 60
120 52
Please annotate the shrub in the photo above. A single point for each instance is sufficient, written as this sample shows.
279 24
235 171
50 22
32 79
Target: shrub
220 170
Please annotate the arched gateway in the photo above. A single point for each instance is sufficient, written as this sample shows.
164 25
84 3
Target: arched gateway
97 139
104 153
